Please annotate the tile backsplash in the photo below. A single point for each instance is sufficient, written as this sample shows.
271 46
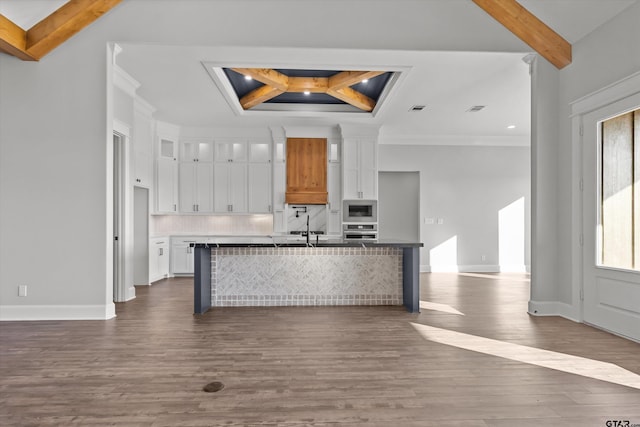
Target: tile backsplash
222 225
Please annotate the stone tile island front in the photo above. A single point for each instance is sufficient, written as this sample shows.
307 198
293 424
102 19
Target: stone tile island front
267 271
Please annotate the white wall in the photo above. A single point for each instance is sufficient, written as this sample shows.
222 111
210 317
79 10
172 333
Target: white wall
467 187
603 57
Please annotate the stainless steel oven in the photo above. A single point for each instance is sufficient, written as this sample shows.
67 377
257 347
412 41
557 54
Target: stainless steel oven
360 231
360 211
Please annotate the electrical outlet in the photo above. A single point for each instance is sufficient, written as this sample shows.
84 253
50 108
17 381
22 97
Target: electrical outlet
440 221
484 257
22 290
429 221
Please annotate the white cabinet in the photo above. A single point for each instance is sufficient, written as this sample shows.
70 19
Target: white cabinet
360 169
230 188
334 207
167 176
196 186
259 179
143 128
196 177
279 186
196 151
230 177
182 260
231 151
158 258
260 188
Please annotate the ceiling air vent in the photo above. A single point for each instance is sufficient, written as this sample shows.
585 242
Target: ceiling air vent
417 108
475 108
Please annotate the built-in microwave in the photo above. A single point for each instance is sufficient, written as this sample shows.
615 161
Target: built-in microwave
360 211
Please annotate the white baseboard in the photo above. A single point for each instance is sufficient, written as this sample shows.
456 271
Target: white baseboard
57 312
554 308
130 293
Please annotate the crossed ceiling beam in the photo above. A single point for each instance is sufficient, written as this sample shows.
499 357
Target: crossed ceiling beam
531 30
338 86
52 31
70 18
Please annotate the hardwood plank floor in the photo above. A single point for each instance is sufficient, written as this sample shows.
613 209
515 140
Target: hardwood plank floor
315 366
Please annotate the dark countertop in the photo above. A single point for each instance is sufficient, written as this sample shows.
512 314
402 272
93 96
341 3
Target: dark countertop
297 242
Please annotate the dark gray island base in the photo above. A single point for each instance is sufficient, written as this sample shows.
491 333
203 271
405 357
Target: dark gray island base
265 271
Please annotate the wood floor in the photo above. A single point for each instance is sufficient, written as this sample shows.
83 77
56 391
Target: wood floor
319 366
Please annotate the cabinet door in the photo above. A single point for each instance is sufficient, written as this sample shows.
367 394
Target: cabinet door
351 170
334 223
259 152
201 151
260 188
163 261
238 187
279 185
221 187
166 185
142 149
204 187
368 170
231 151
142 169
154 262
187 180
181 259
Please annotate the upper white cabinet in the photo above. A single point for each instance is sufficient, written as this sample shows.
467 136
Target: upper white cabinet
143 131
360 169
196 151
196 177
259 179
279 186
231 151
167 175
230 189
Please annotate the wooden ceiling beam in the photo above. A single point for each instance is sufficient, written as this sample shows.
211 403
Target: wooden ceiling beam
259 95
13 40
529 29
64 23
267 76
349 78
353 97
311 84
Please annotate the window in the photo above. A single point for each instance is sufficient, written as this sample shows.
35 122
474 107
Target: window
620 191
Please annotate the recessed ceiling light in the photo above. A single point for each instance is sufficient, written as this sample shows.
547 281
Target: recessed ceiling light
248 78
511 127
365 81
306 92
475 108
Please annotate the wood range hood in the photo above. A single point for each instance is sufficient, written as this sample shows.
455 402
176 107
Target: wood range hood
306 171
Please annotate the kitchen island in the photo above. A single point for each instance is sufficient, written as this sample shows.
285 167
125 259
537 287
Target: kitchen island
280 271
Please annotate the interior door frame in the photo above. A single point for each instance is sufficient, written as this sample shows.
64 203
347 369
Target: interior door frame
123 289
608 102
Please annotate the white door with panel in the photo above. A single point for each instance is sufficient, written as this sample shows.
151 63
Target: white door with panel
611 277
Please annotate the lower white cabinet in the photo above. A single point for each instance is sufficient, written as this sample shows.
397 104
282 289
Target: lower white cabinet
182 255
158 258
